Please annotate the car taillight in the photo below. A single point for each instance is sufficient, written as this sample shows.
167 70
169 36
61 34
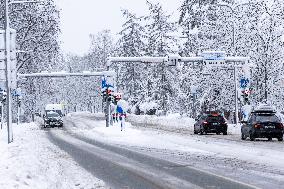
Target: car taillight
257 126
205 122
280 126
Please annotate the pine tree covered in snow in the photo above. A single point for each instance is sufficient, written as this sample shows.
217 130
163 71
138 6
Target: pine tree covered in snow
161 42
131 79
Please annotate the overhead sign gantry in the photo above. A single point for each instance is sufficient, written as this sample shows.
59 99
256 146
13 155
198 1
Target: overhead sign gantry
207 58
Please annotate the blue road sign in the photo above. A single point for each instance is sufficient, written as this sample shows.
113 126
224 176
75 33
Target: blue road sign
244 82
119 109
104 82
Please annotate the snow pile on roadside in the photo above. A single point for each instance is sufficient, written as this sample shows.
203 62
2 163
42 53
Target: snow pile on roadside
266 153
170 122
78 113
98 115
32 161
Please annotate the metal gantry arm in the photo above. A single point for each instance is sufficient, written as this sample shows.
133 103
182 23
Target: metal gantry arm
172 60
147 59
65 74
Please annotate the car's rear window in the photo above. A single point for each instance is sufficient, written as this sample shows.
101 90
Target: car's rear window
264 117
215 118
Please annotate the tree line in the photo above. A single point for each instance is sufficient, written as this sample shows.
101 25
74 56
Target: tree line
253 28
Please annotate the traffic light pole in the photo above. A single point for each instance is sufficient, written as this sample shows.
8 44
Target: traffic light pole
236 95
8 74
2 114
18 110
107 109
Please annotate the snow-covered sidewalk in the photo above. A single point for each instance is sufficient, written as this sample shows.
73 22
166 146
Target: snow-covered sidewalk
33 162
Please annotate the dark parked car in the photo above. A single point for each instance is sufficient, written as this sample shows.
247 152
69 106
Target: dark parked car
53 119
262 124
211 123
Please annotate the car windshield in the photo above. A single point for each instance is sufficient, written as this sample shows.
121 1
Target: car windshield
266 118
215 118
52 114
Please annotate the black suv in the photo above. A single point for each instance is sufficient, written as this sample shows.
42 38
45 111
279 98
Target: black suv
211 123
53 119
262 124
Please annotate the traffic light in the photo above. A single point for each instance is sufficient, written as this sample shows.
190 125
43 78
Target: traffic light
245 95
108 91
246 98
3 96
110 98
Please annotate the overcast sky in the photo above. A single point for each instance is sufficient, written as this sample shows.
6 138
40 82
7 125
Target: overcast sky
81 18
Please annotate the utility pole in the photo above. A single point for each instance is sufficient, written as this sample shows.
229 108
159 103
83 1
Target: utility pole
265 83
234 54
164 89
107 108
8 74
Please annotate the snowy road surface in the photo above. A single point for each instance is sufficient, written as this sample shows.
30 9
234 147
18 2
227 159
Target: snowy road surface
164 159
33 162
121 168
145 156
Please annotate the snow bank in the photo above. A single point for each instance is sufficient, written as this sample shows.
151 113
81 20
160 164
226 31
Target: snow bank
146 106
78 113
32 161
170 122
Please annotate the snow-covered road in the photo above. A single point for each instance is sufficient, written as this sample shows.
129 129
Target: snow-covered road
33 162
259 163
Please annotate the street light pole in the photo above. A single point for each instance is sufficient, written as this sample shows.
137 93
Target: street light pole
8 65
234 54
8 74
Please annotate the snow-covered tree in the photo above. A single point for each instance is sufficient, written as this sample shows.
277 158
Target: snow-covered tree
37 26
161 41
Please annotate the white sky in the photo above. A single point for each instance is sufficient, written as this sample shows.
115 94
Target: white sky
81 18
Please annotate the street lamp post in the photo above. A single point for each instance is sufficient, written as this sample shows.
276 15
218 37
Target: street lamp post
8 65
8 74
234 53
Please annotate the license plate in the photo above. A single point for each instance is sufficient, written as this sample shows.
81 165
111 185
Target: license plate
269 127
215 123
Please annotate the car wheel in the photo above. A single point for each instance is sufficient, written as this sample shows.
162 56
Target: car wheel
269 139
218 133
243 137
201 131
280 139
251 137
225 133
195 132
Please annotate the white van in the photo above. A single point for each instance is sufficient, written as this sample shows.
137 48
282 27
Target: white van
53 115
58 108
